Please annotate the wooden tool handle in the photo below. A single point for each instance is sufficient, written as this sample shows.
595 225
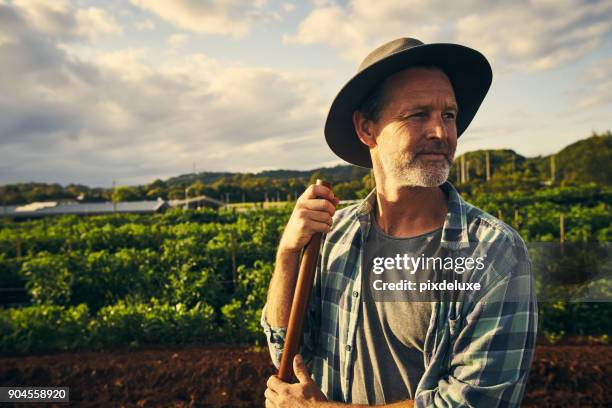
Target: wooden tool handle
299 305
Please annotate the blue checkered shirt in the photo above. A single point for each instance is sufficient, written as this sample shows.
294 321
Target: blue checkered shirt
477 350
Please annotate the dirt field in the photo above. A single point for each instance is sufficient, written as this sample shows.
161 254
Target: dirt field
561 376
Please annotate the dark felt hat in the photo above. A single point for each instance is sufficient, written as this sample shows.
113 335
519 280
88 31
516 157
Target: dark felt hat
468 70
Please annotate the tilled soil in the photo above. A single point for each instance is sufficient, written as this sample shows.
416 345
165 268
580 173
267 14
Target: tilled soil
222 376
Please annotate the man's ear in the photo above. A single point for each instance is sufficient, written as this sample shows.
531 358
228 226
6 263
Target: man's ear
364 129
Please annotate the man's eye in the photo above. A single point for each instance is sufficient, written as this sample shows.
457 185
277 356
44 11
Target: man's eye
419 114
450 115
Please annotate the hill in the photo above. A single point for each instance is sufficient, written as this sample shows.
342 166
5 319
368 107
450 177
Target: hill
585 161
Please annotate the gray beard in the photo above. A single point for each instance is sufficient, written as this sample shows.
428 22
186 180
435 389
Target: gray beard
415 171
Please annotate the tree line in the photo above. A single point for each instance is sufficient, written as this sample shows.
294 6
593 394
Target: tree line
482 171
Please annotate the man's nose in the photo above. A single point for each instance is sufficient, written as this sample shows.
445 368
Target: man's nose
437 128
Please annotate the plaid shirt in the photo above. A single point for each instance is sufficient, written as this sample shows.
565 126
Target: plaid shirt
477 351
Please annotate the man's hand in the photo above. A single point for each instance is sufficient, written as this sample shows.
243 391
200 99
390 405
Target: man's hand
312 213
306 393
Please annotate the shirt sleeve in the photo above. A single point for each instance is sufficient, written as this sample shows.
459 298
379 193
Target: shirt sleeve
276 336
492 351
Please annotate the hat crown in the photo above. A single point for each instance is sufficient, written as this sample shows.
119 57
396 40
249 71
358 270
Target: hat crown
397 45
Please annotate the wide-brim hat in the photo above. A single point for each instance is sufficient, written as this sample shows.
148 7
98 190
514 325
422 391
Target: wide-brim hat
468 70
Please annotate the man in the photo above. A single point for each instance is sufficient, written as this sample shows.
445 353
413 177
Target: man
401 115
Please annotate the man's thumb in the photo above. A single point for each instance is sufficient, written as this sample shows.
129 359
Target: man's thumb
300 369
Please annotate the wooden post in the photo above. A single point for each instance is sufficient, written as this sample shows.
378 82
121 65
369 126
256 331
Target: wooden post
233 254
488 164
500 215
561 228
467 171
18 247
516 218
158 236
114 196
463 168
553 169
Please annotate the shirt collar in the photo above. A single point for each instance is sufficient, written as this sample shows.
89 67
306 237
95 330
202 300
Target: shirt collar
454 230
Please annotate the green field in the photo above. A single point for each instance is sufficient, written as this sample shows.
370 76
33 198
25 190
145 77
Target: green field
201 276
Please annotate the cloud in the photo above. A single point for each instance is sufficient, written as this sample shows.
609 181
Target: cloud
117 116
288 7
515 36
597 86
228 17
177 40
59 19
145 25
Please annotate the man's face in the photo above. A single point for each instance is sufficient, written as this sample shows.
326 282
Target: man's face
416 134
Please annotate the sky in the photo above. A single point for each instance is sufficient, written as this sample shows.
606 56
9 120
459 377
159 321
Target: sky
129 91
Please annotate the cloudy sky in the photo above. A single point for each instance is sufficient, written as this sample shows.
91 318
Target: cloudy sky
96 91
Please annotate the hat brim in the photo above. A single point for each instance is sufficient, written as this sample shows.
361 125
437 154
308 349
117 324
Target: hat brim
468 70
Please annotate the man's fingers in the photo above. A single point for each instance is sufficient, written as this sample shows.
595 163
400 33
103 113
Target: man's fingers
321 227
317 191
300 370
317 216
319 204
270 394
275 383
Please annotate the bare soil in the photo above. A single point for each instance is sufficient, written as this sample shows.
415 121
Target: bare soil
223 376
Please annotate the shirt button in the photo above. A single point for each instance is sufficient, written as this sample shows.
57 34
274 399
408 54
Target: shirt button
355 294
348 347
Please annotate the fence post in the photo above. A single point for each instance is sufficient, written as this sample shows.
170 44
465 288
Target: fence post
553 171
233 255
18 247
561 229
516 218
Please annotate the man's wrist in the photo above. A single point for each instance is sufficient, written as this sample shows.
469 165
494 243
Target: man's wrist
284 251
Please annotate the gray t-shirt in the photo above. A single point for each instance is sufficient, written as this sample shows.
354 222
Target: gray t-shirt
390 335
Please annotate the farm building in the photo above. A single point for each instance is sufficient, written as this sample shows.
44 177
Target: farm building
48 208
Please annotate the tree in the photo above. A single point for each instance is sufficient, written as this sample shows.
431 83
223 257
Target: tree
125 193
